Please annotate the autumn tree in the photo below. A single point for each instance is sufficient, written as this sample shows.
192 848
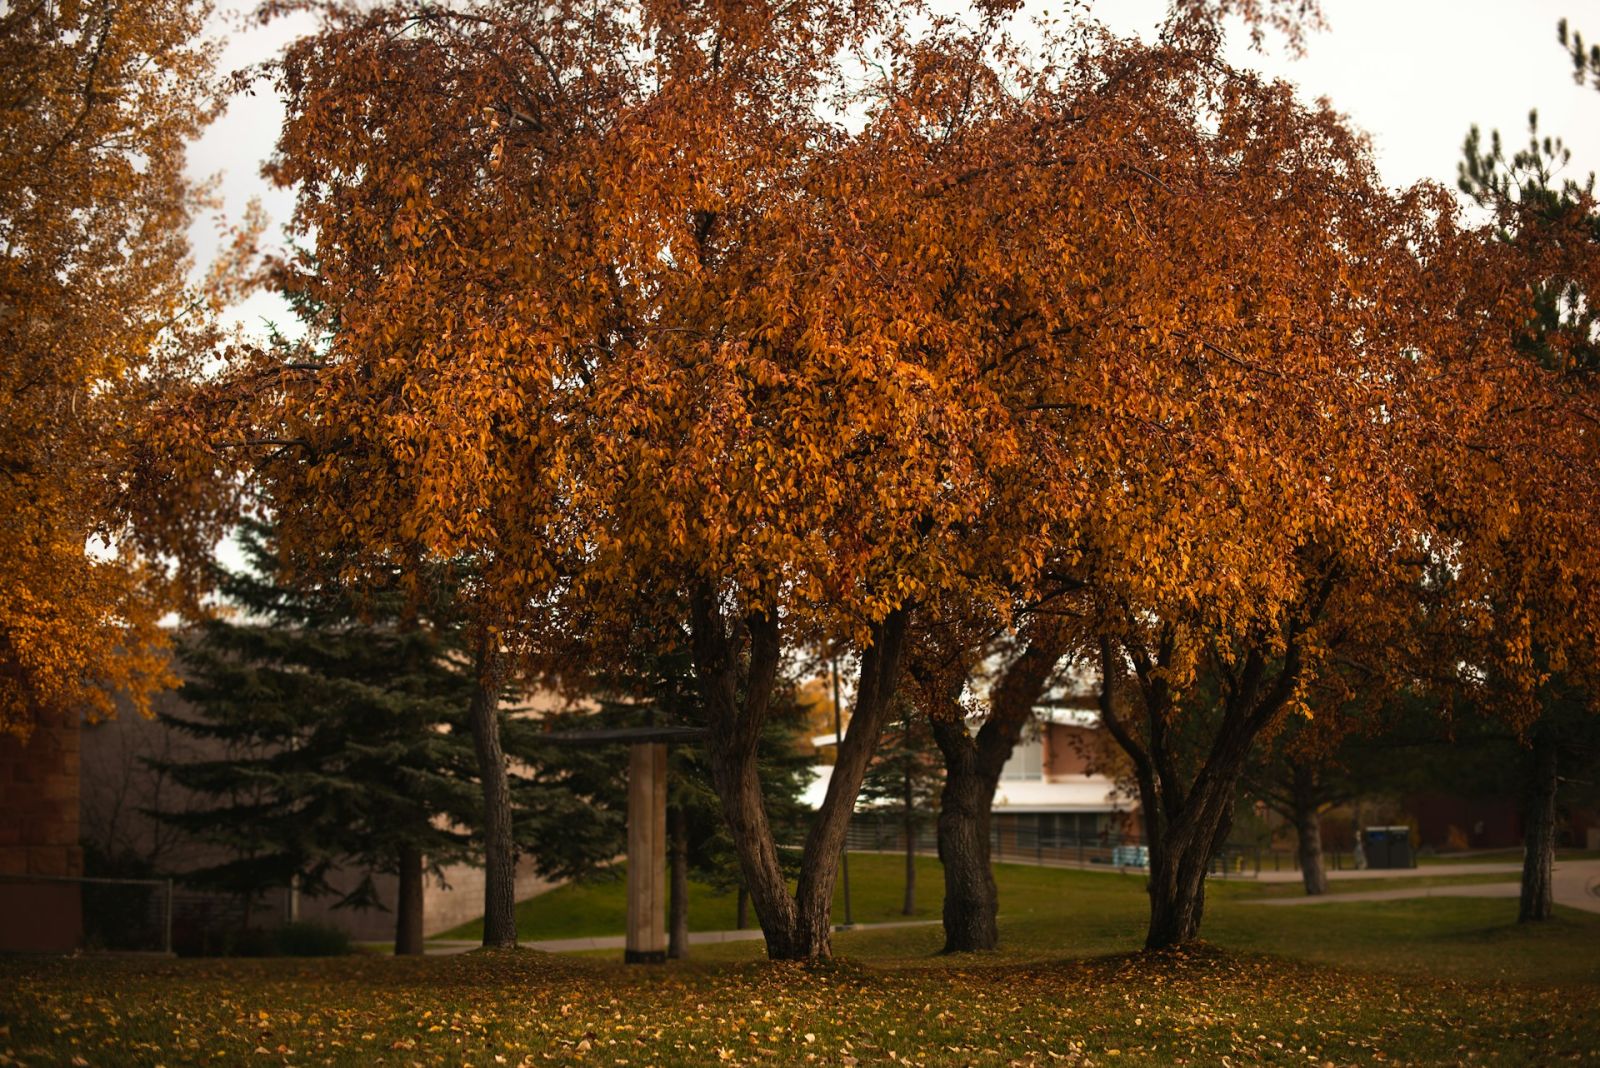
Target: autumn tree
565 341
651 324
1252 349
1529 570
97 319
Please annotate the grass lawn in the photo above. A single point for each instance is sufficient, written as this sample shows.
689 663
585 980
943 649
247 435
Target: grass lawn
582 910
1431 981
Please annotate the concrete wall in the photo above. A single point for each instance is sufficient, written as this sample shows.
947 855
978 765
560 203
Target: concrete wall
443 907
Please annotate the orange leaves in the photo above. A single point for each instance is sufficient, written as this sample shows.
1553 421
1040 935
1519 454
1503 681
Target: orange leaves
96 321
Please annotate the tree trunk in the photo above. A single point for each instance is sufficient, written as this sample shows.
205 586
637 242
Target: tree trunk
1539 829
796 927
1308 830
972 774
1180 857
677 884
742 911
499 852
408 904
971 899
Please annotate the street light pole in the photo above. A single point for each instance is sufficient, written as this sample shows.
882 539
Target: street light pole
838 741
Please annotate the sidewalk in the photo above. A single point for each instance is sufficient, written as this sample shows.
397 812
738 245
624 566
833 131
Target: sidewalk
1485 868
445 947
1575 884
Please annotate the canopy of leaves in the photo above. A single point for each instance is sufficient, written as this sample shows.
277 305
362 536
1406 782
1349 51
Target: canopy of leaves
97 103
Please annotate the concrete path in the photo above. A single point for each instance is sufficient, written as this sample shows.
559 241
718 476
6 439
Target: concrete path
443 947
1576 884
1483 868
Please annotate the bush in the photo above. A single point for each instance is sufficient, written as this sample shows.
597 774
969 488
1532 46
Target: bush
304 939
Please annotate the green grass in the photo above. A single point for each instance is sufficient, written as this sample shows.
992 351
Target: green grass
1431 981
599 907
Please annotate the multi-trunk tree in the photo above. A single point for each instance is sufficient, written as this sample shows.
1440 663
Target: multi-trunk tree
1275 376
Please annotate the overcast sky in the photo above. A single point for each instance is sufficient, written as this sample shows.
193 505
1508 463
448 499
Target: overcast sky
1414 74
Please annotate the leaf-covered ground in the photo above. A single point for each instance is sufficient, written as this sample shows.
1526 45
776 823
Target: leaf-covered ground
1433 981
525 1008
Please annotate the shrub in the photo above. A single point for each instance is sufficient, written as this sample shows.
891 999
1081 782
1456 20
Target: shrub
304 939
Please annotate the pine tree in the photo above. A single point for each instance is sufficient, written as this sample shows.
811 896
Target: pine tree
340 714
903 783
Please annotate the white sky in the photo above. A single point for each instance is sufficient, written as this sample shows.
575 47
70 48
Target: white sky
1414 74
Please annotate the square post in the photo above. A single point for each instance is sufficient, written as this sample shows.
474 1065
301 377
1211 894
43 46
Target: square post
647 853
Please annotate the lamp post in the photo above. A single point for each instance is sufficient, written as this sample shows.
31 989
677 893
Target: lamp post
838 740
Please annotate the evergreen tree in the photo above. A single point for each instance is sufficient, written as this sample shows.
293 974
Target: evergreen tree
903 783
339 715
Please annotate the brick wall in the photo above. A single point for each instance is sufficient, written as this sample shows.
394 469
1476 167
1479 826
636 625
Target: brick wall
39 836
39 800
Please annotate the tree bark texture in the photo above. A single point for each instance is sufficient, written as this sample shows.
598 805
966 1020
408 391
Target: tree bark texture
677 884
1539 828
973 764
499 851
408 903
742 910
727 653
1308 830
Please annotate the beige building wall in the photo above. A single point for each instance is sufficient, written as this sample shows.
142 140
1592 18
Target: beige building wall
118 785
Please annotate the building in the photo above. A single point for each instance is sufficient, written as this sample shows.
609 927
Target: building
1058 790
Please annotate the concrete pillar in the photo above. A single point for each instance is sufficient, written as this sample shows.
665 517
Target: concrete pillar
647 853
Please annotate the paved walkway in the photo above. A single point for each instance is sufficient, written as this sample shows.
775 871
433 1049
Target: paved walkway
442 947
1575 884
1481 868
